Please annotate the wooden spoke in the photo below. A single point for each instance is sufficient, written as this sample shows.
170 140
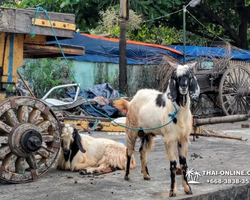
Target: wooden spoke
4 150
23 114
43 153
6 160
48 138
19 168
4 127
32 162
34 116
4 140
11 118
42 126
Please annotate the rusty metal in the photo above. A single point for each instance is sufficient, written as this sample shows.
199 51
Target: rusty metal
33 139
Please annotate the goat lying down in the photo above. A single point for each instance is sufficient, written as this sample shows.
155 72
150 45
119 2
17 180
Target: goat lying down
150 108
91 155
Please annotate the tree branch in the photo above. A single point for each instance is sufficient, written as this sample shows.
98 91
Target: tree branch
231 32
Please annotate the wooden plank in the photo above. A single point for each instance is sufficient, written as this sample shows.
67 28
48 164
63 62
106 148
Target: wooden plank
2 42
55 24
43 51
20 21
7 20
38 39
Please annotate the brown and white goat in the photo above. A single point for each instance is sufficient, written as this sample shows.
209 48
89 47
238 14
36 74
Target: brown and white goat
151 108
91 155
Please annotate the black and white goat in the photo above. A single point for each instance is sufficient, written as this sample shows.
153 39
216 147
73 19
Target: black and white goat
151 108
91 155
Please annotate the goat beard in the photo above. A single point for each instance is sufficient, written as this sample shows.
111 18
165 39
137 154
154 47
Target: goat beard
183 100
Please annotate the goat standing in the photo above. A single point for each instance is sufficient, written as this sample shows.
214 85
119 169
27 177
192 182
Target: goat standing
150 108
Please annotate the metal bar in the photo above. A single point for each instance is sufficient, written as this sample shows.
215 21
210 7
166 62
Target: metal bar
184 34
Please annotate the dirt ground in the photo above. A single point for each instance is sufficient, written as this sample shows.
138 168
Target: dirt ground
205 154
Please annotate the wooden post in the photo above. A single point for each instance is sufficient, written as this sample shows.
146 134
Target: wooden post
124 5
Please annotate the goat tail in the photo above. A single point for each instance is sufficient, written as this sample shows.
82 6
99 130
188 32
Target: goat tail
121 104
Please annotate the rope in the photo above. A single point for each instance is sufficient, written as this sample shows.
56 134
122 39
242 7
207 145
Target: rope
93 127
71 73
167 15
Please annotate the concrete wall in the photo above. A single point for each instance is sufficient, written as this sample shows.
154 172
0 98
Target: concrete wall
139 76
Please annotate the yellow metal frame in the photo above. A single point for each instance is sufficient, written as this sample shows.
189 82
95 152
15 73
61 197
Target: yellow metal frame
56 24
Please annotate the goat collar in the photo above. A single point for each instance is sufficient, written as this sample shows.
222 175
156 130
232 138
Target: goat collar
172 115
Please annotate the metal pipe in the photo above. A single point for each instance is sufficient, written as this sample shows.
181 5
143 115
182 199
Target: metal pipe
184 34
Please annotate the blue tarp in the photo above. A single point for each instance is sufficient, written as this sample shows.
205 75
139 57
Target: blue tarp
192 52
100 50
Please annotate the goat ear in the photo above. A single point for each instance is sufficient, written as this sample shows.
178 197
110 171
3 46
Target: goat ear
194 88
174 65
78 140
192 65
171 90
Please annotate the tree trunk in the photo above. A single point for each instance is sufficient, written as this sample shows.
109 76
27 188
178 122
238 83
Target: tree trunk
245 17
123 58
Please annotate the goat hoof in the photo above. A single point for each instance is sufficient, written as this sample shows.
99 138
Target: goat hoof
172 194
96 172
113 169
147 178
126 178
83 172
189 192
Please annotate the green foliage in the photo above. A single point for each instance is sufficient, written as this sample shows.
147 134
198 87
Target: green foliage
109 23
158 35
43 74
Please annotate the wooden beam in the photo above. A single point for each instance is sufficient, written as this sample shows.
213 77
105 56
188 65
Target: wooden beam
38 39
45 51
20 21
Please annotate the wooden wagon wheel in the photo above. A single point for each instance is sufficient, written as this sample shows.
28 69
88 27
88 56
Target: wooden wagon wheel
234 90
29 139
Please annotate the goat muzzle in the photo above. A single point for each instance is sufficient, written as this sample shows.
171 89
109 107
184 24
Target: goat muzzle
66 151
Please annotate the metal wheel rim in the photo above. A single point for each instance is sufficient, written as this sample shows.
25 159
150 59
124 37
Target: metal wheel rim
17 114
234 90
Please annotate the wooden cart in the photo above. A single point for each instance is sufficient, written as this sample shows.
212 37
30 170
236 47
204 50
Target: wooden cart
225 87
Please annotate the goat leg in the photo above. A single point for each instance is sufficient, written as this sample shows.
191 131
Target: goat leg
130 141
143 158
127 169
182 150
172 192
